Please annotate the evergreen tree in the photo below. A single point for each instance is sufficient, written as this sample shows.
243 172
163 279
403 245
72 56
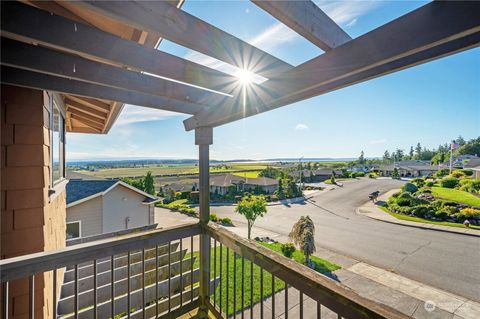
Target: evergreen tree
386 157
418 151
361 158
149 183
411 154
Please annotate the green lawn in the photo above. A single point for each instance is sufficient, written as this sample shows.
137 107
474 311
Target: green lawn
221 294
426 221
456 195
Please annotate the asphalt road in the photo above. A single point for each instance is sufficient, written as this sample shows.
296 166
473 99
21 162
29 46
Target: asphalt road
447 261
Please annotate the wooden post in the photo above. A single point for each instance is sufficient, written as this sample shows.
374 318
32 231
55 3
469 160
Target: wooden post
203 138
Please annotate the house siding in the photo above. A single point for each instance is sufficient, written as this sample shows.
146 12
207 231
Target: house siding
116 209
90 215
31 220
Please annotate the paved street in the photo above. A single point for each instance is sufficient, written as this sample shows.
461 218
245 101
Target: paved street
446 261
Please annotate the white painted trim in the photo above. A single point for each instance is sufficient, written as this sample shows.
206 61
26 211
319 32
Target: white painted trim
156 199
79 228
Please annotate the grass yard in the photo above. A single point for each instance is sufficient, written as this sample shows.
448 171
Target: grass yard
456 195
426 221
235 275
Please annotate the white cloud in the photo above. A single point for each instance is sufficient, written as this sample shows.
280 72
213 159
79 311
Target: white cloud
133 114
352 23
301 127
379 141
343 12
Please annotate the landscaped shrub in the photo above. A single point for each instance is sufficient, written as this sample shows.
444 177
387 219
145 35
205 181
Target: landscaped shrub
358 174
403 202
422 211
449 182
372 175
429 184
441 214
409 187
213 217
420 182
458 174
288 249
424 190
470 212
470 185
467 172
442 173
396 194
226 221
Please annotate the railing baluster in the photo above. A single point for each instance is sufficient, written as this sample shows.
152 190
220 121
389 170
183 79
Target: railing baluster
301 305
243 286
191 270
75 300
261 293
170 275
128 285
181 277
319 311
156 281
143 283
214 272
251 290
112 285
228 275
234 285
273 296
54 306
5 300
94 288
221 277
31 299
286 300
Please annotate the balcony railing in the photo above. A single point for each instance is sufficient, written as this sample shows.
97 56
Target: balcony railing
156 274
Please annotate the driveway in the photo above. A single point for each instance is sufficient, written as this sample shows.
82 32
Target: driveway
446 261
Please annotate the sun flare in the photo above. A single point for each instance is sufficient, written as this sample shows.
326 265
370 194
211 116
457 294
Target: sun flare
244 76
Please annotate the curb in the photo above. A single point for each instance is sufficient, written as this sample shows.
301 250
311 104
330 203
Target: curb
416 226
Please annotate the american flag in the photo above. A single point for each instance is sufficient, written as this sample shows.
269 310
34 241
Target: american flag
454 145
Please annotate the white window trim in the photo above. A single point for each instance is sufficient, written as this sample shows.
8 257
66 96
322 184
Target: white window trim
57 186
79 229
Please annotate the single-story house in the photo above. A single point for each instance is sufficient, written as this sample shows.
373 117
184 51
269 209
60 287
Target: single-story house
474 165
409 169
102 206
315 176
221 184
365 168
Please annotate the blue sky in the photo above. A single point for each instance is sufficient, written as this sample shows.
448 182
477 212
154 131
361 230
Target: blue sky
431 103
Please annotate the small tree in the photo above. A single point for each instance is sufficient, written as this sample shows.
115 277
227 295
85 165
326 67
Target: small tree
302 235
149 183
395 173
252 207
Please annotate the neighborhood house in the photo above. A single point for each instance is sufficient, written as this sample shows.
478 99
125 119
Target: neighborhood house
409 169
315 176
102 206
223 184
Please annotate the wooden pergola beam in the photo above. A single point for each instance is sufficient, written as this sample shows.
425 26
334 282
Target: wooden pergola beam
86 115
93 103
308 20
39 59
41 81
72 104
189 31
23 22
440 28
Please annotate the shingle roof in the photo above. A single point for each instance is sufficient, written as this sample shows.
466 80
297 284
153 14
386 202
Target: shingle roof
79 189
230 179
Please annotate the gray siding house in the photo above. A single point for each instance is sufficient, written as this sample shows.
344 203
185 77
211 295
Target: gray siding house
102 206
221 184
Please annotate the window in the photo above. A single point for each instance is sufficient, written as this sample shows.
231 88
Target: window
74 230
57 145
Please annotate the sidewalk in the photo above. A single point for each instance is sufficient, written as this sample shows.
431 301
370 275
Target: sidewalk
371 210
